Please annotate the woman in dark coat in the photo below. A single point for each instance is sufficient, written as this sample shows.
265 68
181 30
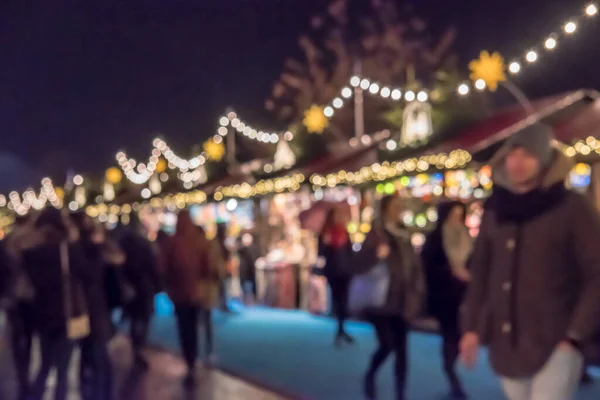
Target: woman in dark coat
335 247
103 256
248 253
389 243
221 240
445 255
59 297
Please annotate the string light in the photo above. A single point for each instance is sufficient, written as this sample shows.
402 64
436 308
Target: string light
570 27
250 132
591 10
531 56
514 67
550 43
463 89
480 84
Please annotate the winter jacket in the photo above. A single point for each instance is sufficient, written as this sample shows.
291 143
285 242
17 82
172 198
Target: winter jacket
42 263
194 281
337 260
22 237
140 271
407 291
101 260
445 291
248 256
535 273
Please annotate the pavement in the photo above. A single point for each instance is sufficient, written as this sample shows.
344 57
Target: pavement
163 381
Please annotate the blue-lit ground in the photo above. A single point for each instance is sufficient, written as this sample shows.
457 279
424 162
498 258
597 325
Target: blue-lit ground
294 351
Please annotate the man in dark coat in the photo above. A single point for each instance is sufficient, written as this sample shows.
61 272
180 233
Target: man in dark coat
140 272
535 290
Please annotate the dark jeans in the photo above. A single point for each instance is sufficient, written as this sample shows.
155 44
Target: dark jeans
96 370
450 331
392 332
56 353
140 323
339 299
21 322
187 324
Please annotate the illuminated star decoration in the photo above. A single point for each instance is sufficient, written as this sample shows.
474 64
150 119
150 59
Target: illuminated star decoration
215 151
113 175
488 68
315 120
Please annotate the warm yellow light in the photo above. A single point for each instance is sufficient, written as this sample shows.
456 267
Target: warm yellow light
532 56
113 175
591 10
315 120
215 151
480 84
488 68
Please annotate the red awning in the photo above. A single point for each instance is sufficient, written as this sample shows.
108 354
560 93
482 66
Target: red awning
348 158
573 116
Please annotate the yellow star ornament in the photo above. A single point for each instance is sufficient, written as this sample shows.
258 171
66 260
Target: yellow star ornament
113 175
215 151
315 120
488 68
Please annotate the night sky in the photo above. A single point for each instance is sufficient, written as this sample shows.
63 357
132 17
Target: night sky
80 80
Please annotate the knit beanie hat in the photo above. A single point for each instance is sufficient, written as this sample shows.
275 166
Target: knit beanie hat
536 139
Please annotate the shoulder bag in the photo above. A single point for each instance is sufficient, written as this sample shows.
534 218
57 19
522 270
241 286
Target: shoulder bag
77 327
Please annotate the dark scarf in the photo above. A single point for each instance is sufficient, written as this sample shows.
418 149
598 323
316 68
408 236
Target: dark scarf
514 207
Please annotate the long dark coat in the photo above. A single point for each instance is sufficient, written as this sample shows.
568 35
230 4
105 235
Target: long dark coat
445 291
407 291
536 274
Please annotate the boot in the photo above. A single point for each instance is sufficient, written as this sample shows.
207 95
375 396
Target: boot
369 387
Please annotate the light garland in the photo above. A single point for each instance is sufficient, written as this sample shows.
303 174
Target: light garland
232 120
107 212
22 204
532 55
387 170
374 89
289 183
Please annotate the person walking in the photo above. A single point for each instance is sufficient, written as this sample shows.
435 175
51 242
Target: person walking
192 274
20 311
248 253
225 255
534 296
56 266
102 256
335 247
445 255
141 274
389 242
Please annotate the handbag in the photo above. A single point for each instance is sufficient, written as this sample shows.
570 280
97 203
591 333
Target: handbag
77 327
369 290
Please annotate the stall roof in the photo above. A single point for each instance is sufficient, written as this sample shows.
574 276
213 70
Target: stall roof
348 158
574 115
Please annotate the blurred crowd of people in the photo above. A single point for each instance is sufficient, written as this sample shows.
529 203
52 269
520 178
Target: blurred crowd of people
64 276
528 287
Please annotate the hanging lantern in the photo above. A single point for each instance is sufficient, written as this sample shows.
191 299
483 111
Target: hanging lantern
416 123
113 175
284 156
108 193
155 185
80 196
